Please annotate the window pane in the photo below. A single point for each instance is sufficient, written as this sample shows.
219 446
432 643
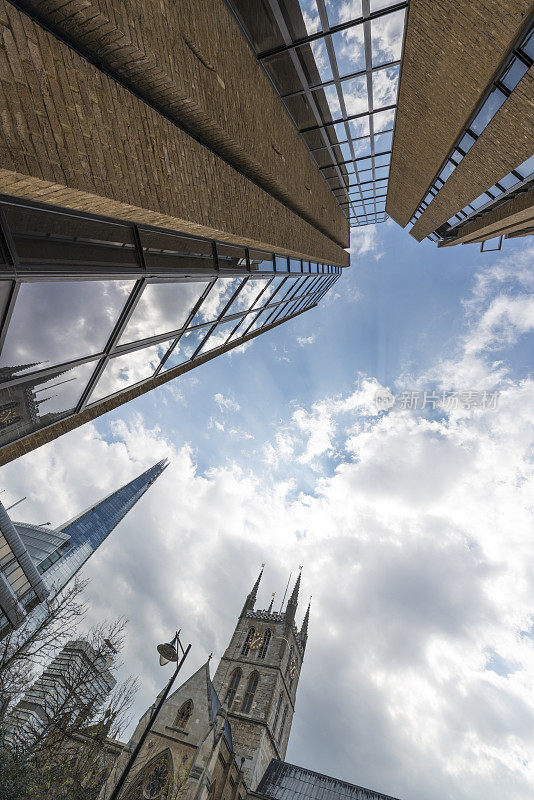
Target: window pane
343 12
219 336
355 92
514 73
231 257
247 296
37 402
281 263
185 348
383 120
271 291
261 319
260 260
350 50
162 307
385 86
58 321
174 251
124 371
488 111
219 295
386 35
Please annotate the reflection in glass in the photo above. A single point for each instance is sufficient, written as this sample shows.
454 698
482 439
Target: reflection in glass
185 348
386 37
260 320
247 296
385 86
218 296
219 336
260 260
123 371
37 402
350 50
162 307
57 321
271 291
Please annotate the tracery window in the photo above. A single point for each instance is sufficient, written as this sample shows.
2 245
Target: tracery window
262 652
232 687
281 731
155 780
277 715
289 660
183 715
246 644
249 694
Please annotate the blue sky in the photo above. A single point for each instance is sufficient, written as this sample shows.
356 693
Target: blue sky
415 529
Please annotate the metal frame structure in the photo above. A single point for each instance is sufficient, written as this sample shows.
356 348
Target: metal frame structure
41 244
346 146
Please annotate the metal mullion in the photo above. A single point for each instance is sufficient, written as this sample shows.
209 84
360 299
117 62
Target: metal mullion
260 294
233 297
369 73
315 86
343 26
327 289
349 117
9 242
335 72
117 332
277 13
39 374
357 158
8 313
188 321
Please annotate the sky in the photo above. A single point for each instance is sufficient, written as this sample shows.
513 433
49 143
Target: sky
413 525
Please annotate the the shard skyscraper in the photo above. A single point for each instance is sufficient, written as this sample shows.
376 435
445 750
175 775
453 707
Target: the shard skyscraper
36 562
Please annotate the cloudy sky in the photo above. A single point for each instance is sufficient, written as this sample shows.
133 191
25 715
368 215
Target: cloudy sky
414 525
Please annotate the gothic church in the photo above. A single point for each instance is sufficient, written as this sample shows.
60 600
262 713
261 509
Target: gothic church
226 738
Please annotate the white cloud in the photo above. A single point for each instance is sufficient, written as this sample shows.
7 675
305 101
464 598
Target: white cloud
226 403
416 536
305 340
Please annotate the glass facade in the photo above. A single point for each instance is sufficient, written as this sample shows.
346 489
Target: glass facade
87 531
115 304
283 781
336 68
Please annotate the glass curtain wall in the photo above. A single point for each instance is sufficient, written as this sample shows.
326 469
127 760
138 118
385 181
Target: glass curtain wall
91 307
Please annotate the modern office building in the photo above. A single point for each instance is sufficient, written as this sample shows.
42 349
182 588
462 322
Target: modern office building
37 562
462 167
227 737
178 177
157 207
77 681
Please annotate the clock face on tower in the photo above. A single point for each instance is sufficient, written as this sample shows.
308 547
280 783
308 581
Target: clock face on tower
256 641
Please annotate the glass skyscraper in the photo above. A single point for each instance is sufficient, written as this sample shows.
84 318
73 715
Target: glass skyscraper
36 563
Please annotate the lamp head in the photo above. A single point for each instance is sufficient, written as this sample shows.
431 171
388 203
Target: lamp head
168 652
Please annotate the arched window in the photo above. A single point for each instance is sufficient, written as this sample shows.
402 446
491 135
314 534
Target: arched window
289 658
282 724
232 687
246 644
155 780
277 715
182 717
262 652
252 685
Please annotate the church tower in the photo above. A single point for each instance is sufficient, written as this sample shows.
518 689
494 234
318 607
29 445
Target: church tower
257 679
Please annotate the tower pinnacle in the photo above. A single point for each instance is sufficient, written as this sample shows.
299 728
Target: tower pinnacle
291 608
304 629
251 598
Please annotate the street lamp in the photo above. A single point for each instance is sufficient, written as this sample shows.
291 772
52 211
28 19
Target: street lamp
168 652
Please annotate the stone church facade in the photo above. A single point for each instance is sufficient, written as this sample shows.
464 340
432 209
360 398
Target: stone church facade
226 738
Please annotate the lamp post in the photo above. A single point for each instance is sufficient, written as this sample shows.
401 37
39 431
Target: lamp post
169 652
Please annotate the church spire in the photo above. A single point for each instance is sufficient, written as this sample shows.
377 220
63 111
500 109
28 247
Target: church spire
304 630
291 608
271 603
251 599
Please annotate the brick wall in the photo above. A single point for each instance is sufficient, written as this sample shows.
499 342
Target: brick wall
453 49
190 57
72 136
507 141
515 215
